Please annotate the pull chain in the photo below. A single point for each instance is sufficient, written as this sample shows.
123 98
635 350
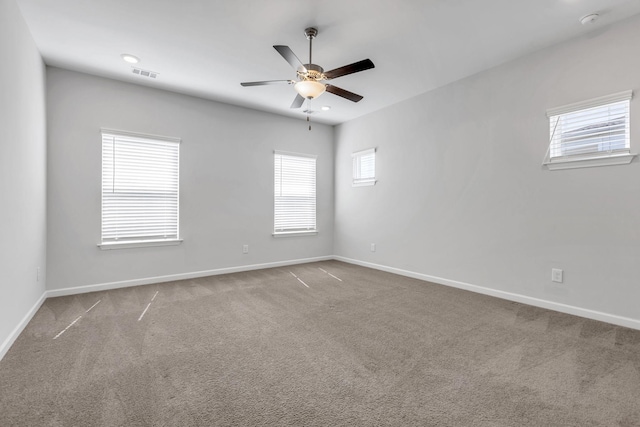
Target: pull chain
309 113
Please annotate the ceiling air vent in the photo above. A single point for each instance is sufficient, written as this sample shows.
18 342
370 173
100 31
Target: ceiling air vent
144 73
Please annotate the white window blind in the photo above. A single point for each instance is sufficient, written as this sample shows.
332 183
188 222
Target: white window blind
364 167
295 193
139 188
597 128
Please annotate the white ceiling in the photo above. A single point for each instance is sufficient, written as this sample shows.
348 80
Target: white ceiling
207 47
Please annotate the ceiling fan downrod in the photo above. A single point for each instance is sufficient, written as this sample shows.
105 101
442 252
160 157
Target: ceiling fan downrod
310 33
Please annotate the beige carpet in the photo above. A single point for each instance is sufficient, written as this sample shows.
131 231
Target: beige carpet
323 344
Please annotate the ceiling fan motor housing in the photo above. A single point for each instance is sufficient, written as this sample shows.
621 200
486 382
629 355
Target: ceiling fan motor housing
314 72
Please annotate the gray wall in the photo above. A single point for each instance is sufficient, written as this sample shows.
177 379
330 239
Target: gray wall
22 172
226 181
462 195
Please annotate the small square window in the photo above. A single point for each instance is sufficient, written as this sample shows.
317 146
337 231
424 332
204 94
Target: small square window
364 167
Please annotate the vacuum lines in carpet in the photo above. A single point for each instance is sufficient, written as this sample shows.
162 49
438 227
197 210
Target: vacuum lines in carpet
319 344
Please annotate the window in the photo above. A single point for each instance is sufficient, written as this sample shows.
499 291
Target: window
295 194
364 167
590 133
139 190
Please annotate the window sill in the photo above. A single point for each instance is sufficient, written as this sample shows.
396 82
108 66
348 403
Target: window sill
294 233
590 162
138 244
364 183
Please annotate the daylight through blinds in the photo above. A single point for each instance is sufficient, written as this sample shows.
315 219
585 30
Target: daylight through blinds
295 193
599 130
139 188
364 166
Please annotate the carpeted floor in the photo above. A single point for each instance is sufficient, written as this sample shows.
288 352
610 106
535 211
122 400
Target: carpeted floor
322 344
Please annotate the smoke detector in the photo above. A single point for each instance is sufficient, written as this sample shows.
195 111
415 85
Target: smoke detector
589 19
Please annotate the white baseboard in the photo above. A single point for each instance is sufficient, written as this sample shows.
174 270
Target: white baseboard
172 277
563 308
6 345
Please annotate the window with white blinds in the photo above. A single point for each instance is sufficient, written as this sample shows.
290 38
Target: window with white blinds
594 129
364 167
139 188
295 193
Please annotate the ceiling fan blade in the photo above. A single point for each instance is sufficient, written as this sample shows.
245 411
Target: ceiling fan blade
365 64
267 82
290 57
343 93
297 102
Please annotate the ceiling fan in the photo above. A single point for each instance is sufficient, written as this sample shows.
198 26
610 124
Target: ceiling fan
311 76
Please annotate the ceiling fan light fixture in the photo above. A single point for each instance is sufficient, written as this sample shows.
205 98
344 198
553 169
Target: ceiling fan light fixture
309 89
310 76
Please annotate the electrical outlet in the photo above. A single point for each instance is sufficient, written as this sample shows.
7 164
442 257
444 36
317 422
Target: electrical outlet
373 247
556 275
245 249
37 274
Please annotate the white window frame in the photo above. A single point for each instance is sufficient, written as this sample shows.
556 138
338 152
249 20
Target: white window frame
110 239
357 159
556 159
300 207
